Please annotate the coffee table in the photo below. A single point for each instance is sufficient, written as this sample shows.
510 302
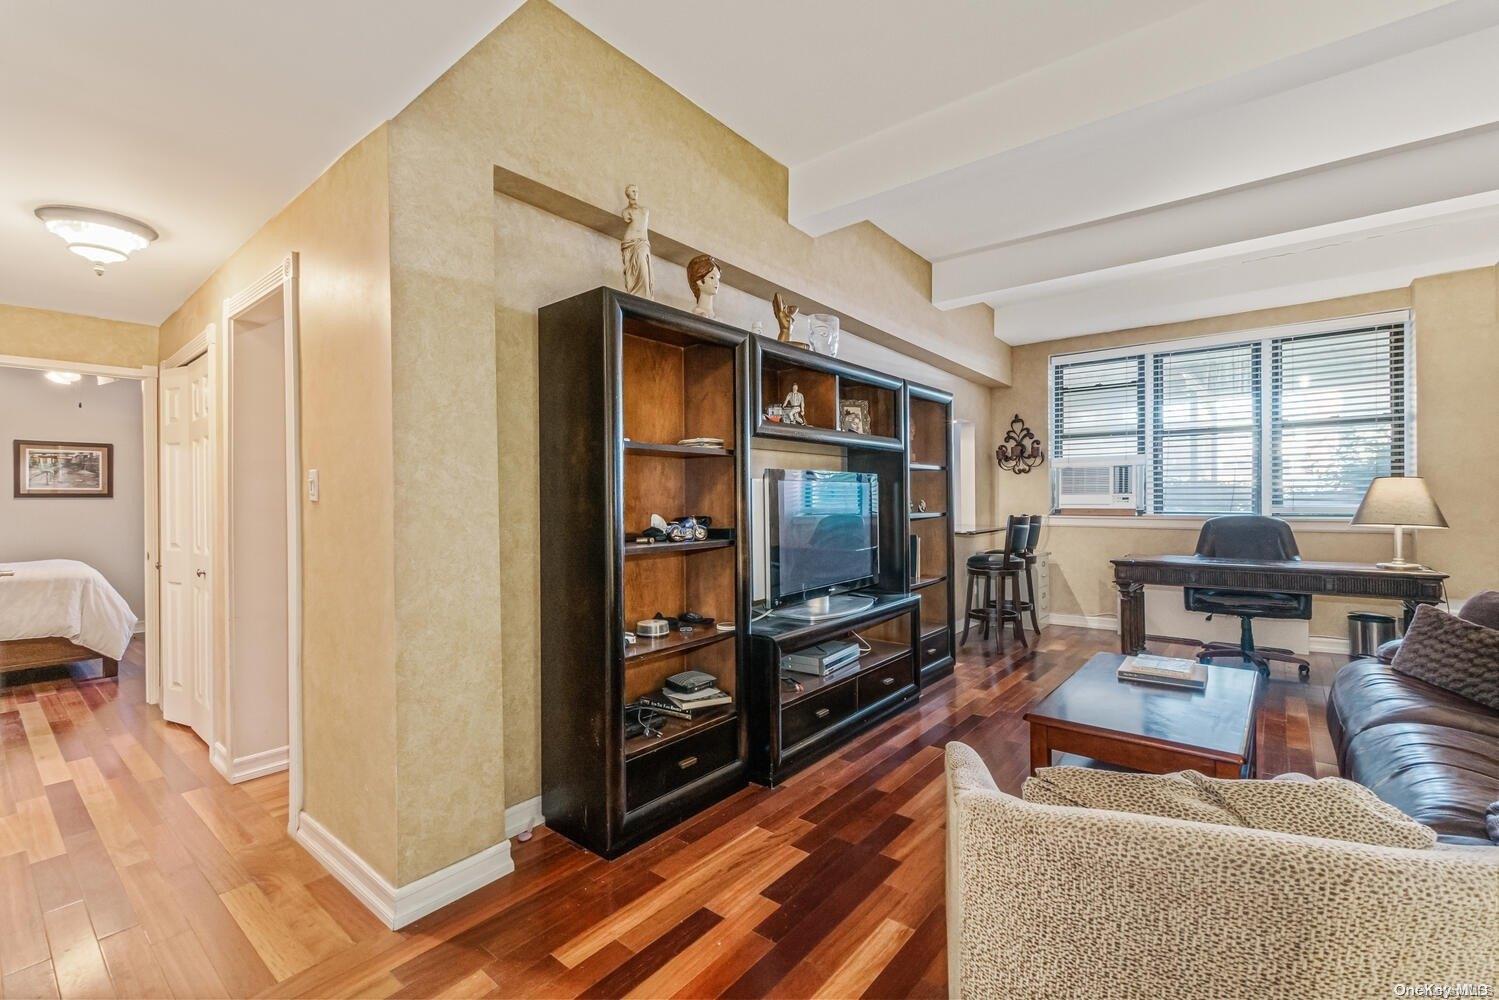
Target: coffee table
1149 727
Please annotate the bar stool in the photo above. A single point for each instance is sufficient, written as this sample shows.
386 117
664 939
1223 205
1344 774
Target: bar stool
998 569
1029 555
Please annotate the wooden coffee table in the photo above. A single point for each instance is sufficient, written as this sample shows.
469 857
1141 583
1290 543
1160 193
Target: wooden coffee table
1149 727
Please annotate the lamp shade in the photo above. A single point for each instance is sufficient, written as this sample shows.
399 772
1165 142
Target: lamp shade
1399 500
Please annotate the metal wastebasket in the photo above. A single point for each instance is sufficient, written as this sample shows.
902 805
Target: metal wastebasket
1367 632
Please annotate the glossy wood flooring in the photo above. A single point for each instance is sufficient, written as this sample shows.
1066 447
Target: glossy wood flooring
129 867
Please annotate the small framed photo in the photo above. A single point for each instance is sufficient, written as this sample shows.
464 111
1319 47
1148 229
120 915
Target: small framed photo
64 469
853 416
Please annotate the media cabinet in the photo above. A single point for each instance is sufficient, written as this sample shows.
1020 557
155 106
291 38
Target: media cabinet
623 379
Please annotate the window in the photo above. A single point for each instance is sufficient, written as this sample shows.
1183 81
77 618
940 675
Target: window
1293 424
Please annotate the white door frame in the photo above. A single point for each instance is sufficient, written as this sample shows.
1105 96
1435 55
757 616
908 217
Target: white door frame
146 376
283 278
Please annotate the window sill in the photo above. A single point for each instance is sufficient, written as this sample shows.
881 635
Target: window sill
1193 522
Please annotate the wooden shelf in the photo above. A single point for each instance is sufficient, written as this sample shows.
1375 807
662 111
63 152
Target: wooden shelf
927 515
927 467
675 729
675 450
880 653
826 435
929 629
635 550
644 649
926 581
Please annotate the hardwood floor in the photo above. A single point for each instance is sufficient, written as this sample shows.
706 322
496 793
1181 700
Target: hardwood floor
129 867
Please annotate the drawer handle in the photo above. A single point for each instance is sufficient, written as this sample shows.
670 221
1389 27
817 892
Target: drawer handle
687 762
931 650
822 713
887 681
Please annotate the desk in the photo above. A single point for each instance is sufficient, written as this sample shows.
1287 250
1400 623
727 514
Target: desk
1294 576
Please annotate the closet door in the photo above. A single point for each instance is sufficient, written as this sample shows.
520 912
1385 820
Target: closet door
187 546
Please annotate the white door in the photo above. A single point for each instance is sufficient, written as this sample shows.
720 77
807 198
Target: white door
186 545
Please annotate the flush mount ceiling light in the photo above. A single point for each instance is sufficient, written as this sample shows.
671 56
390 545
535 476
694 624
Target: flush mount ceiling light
64 378
98 237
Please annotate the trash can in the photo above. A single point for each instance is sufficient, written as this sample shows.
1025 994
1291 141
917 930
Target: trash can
1367 632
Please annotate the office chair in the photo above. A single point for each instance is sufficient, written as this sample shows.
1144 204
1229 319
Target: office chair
1243 536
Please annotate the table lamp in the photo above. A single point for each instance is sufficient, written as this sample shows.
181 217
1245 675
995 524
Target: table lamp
1399 502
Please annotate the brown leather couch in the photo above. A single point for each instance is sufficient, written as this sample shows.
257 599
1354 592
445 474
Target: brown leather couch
1431 753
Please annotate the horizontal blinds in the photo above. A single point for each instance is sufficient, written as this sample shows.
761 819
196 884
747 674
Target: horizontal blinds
1098 408
1206 430
1337 418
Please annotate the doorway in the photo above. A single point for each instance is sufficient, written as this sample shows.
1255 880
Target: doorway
232 491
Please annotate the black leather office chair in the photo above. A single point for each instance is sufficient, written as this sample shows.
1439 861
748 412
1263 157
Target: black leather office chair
1244 536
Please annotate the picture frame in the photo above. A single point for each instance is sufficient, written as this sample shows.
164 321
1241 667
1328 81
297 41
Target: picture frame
63 469
853 416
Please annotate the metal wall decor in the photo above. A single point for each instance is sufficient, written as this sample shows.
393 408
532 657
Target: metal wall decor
1020 452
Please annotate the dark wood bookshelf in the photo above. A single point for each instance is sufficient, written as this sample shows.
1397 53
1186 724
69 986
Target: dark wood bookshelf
638 550
644 648
676 450
928 473
674 730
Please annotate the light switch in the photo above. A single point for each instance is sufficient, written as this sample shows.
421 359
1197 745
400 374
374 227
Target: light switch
312 485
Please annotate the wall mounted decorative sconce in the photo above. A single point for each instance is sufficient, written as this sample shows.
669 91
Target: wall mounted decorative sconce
1020 452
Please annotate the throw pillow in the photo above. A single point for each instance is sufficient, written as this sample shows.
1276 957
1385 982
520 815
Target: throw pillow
1327 807
1482 609
1453 654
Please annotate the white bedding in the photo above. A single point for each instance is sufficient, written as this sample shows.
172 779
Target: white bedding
65 599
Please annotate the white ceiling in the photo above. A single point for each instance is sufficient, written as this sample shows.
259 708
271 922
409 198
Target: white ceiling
1080 165
202 119
1091 164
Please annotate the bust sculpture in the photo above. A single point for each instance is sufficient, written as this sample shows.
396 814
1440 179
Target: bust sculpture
635 248
702 277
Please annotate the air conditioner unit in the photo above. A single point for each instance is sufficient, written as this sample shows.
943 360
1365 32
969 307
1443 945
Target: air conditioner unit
1105 482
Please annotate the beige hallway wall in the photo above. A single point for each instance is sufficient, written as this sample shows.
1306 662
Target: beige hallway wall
56 336
1457 355
339 227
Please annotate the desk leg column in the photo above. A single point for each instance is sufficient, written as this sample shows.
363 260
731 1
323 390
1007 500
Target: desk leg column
1131 618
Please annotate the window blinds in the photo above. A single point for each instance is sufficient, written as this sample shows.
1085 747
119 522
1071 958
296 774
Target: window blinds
1295 425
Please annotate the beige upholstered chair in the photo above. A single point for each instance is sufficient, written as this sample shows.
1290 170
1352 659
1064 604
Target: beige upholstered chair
1053 901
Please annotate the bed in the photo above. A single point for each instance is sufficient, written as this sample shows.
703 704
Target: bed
56 611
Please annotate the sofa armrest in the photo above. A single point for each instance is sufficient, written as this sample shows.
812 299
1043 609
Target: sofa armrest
1075 902
1386 651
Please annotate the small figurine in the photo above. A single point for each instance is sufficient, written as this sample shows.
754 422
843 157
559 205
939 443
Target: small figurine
793 409
635 248
785 316
702 277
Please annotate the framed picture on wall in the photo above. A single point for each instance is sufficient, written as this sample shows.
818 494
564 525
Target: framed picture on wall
64 469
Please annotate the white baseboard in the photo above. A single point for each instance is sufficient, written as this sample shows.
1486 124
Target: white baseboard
253 765
398 907
1330 644
1109 623
140 627
522 817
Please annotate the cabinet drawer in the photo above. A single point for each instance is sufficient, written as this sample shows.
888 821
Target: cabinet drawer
812 715
885 681
653 774
935 647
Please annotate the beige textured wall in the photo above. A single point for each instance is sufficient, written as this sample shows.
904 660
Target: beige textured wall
1457 356
543 97
340 228
41 333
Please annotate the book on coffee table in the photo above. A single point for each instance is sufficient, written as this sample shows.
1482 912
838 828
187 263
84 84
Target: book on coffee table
1164 670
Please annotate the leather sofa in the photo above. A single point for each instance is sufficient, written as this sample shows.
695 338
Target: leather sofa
1431 753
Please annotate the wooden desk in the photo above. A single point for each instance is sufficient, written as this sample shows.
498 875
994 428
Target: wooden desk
1132 574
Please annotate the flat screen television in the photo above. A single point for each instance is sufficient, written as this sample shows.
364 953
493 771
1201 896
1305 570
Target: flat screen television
823 533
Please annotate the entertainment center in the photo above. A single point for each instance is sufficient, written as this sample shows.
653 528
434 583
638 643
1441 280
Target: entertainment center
649 410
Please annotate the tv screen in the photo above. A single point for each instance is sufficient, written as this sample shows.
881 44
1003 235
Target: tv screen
824 530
